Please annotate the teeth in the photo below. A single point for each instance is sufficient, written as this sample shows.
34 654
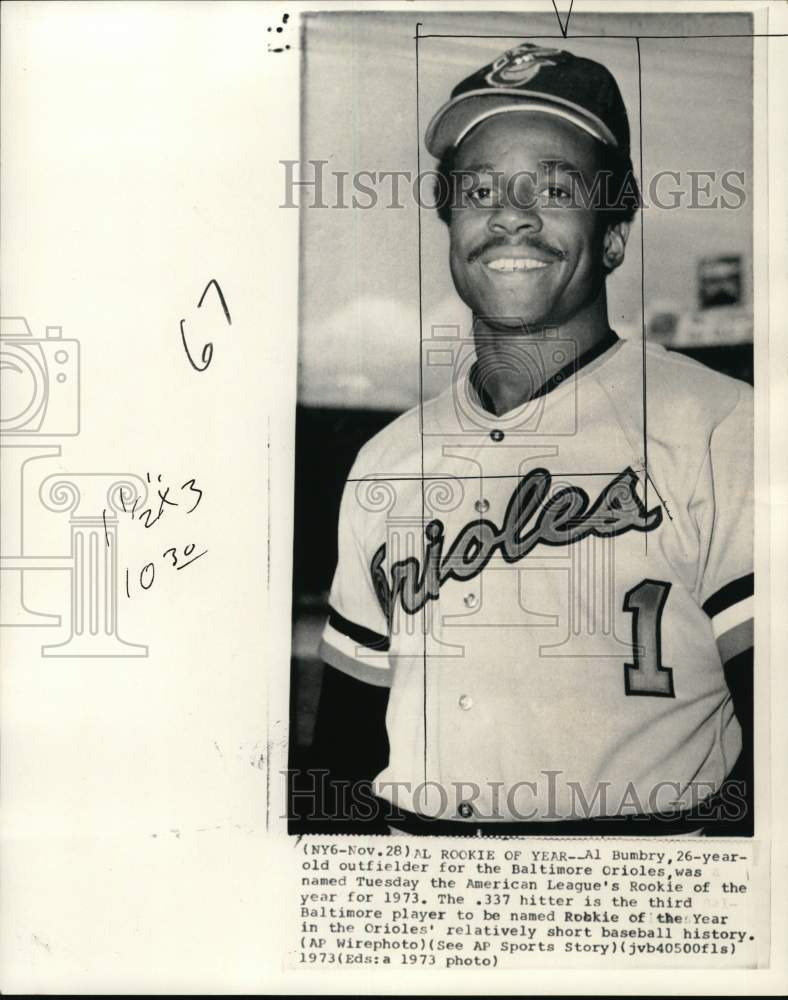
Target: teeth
515 264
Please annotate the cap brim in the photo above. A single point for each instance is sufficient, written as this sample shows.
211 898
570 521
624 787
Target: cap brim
452 123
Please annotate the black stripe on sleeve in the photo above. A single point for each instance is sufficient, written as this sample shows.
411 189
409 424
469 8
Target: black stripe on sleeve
730 594
363 636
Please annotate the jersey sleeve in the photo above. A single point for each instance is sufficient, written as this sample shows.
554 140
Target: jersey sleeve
356 636
725 511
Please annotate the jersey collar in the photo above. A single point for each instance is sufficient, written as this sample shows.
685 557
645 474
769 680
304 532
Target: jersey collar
558 378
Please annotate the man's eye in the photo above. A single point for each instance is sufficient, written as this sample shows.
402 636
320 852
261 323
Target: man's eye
557 193
482 196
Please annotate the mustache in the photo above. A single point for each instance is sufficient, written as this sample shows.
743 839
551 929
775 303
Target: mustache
500 241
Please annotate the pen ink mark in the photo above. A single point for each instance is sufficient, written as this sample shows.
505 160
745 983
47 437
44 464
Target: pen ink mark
659 495
207 352
175 557
152 568
563 25
148 572
148 517
279 29
187 552
104 519
215 284
191 483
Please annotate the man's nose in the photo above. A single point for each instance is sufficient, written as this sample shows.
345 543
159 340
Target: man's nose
514 219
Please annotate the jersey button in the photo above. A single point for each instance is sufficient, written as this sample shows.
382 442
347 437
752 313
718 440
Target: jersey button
470 600
465 702
496 435
465 809
482 506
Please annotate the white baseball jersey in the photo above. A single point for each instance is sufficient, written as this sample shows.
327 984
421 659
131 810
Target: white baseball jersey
550 618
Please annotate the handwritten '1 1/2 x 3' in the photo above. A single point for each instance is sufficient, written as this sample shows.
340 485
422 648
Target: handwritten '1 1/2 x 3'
147 516
150 516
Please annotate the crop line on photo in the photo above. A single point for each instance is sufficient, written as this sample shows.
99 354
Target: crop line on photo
579 38
421 399
644 380
513 475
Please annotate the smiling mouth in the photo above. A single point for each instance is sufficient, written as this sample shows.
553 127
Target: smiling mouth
512 264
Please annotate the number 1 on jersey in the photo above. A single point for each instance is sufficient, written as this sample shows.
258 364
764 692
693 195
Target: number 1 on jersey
647 676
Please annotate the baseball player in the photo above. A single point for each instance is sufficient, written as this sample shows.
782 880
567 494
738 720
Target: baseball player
541 617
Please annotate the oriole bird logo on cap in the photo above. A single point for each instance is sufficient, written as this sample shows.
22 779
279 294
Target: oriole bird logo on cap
532 77
519 65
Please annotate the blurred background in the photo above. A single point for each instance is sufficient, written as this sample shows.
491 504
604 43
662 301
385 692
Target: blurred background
359 352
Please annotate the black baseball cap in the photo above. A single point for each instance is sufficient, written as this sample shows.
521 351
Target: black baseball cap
534 78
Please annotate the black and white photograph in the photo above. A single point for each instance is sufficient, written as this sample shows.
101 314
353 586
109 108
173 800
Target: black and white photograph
393 464
523 536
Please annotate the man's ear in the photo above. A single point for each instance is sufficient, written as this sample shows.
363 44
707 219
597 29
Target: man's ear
614 245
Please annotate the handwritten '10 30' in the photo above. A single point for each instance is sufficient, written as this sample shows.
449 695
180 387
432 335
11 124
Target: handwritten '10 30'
172 559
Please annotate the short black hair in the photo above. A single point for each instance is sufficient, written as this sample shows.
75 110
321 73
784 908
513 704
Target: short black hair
618 197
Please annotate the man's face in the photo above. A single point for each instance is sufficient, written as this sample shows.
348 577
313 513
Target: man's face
522 251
